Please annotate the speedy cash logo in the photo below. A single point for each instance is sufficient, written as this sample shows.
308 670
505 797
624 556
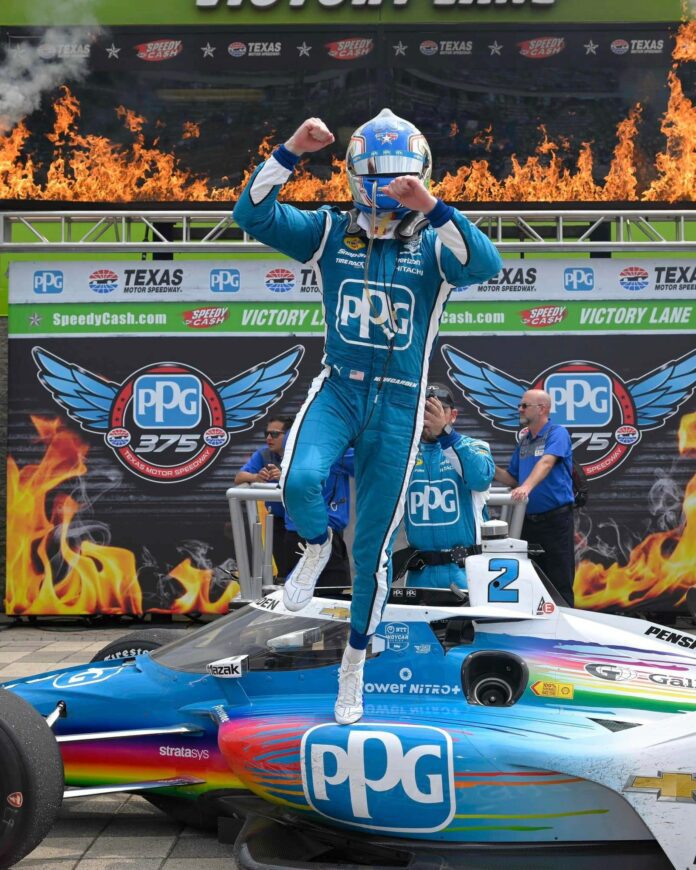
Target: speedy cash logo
167 422
381 777
350 49
544 315
541 47
159 50
604 414
372 317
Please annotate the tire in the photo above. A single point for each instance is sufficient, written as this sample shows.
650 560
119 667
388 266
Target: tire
31 778
137 642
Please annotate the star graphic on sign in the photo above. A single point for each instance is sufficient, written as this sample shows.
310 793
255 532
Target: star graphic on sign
495 47
35 320
208 50
399 48
113 52
591 47
304 49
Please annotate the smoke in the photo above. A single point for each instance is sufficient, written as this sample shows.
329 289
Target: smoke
35 65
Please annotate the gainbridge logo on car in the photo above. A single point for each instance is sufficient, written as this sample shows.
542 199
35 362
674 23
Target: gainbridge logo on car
605 415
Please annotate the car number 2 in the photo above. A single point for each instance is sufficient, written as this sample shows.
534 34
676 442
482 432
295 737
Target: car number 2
499 591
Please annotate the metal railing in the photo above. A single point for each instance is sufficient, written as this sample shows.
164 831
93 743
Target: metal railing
253 544
212 231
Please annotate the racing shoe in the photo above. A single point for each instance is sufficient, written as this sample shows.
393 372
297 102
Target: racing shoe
349 704
299 586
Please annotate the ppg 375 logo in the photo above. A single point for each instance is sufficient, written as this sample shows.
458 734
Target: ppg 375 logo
166 422
604 414
382 777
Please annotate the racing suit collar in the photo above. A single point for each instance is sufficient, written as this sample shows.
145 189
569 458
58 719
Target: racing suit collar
385 226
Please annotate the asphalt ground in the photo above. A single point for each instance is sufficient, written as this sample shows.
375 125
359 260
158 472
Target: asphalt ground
112 832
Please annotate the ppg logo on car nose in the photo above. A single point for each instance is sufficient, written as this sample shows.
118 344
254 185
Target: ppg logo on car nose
382 777
366 316
435 503
578 279
167 401
580 399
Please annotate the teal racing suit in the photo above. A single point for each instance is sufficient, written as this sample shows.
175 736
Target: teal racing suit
445 502
382 316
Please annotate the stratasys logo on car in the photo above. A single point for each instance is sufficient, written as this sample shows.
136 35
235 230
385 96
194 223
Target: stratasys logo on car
280 280
160 49
543 315
103 281
634 278
203 318
350 49
541 47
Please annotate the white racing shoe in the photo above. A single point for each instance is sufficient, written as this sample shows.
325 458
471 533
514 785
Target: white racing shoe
299 586
349 704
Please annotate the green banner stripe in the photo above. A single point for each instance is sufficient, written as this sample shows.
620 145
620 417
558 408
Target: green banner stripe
305 318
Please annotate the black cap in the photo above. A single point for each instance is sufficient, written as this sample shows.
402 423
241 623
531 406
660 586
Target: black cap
441 392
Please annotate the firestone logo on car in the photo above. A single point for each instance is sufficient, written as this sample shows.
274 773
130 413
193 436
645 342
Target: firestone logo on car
350 49
160 49
542 46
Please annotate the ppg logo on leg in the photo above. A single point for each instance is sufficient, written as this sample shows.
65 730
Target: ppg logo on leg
167 402
382 777
48 281
578 278
225 280
372 317
580 399
435 503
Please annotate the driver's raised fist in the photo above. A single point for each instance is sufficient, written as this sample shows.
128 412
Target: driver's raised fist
311 135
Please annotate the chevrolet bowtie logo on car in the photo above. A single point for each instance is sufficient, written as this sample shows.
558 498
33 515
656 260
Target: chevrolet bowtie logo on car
667 786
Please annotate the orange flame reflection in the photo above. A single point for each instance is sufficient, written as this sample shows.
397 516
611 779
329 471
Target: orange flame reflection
96 579
86 167
663 566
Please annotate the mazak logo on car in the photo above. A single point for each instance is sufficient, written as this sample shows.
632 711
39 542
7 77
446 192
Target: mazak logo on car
605 415
103 281
237 49
541 47
544 315
160 49
230 668
381 777
225 280
578 278
167 422
369 316
619 46
48 282
280 280
428 47
350 49
634 278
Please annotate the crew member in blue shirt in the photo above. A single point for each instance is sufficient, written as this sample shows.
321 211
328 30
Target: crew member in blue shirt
540 472
446 497
263 466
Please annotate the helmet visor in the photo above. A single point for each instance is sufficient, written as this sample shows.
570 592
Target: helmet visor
407 163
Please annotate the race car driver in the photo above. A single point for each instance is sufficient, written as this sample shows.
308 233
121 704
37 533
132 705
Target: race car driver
446 497
385 270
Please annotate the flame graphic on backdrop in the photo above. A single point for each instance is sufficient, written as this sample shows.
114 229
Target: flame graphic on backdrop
86 167
94 579
662 567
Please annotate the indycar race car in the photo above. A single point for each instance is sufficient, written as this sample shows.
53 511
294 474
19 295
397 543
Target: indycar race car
498 722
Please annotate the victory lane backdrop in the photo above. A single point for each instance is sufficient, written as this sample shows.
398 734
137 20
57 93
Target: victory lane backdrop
160 523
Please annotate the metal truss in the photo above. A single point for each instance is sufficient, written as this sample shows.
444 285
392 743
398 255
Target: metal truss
214 232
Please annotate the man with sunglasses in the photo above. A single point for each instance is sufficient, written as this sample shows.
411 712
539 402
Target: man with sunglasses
445 500
540 473
263 466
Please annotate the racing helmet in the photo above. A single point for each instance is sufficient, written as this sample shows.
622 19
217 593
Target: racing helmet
382 149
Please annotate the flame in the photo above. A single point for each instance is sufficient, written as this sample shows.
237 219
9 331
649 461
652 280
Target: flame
94 578
91 168
663 566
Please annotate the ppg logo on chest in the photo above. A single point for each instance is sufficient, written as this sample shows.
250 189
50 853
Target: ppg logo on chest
382 777
374 316
433 503
163 402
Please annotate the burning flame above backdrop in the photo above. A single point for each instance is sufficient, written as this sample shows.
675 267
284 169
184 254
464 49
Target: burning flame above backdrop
661 569
91 168
50 572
